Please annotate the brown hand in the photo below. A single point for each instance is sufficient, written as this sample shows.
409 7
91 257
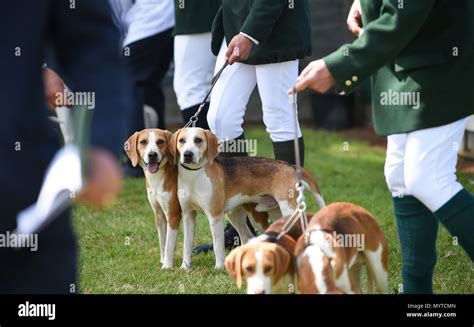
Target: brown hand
53 87
315 76
239 49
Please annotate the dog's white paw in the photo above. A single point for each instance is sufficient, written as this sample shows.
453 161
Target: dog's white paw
219 266
167 263
167 266
185 266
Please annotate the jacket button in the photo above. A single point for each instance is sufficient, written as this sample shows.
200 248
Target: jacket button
355 78
348 83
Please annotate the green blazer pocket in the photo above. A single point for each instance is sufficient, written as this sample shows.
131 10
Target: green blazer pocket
418 61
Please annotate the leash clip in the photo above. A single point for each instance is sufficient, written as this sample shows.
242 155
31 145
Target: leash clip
300 200
192 122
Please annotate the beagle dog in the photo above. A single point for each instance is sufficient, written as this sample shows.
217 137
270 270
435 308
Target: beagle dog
268 268
340 239
267 262
150 149
215 185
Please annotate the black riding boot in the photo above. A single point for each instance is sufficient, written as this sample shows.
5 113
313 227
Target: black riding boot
285 151
240 153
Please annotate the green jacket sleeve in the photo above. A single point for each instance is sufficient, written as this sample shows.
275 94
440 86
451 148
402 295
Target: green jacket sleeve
262 18
383 39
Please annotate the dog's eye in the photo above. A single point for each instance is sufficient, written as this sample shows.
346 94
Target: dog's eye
267 269
249 269
182 141
143 142
160 142
198 140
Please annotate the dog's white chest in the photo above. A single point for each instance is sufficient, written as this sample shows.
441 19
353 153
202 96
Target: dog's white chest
157 195
194 190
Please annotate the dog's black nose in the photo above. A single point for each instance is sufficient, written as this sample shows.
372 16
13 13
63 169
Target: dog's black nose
188 155
152 155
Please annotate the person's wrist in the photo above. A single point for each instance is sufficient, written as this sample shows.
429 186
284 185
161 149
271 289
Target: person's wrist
250 38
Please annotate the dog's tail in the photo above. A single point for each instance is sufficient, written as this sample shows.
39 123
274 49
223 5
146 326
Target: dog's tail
310 183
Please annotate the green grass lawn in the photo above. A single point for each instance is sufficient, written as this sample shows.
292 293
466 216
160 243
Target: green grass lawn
119 251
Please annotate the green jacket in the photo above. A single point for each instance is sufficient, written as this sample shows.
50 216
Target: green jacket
282 28
195 16
423 51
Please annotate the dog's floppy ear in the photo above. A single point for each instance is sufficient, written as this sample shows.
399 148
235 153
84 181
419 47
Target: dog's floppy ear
168 136
282 260
233 264
173 146
212 146
130 148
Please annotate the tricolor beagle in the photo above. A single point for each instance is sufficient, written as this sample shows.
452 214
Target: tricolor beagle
267 262
340 239
150 149
215 186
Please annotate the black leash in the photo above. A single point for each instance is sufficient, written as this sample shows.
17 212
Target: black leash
192 122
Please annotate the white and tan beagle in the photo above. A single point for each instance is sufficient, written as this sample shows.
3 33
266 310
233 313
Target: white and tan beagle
267 262
214 186
150 149
268 268
340 239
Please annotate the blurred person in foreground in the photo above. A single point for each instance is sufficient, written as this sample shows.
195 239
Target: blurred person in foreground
86 43
420 57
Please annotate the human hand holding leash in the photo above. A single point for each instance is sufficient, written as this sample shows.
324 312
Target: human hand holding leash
239 49
354 19
315 76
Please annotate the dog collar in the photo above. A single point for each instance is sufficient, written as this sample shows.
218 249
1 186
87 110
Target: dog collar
191 169
271 237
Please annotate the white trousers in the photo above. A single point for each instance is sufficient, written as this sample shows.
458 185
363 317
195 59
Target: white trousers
423 164
194 68
233 90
